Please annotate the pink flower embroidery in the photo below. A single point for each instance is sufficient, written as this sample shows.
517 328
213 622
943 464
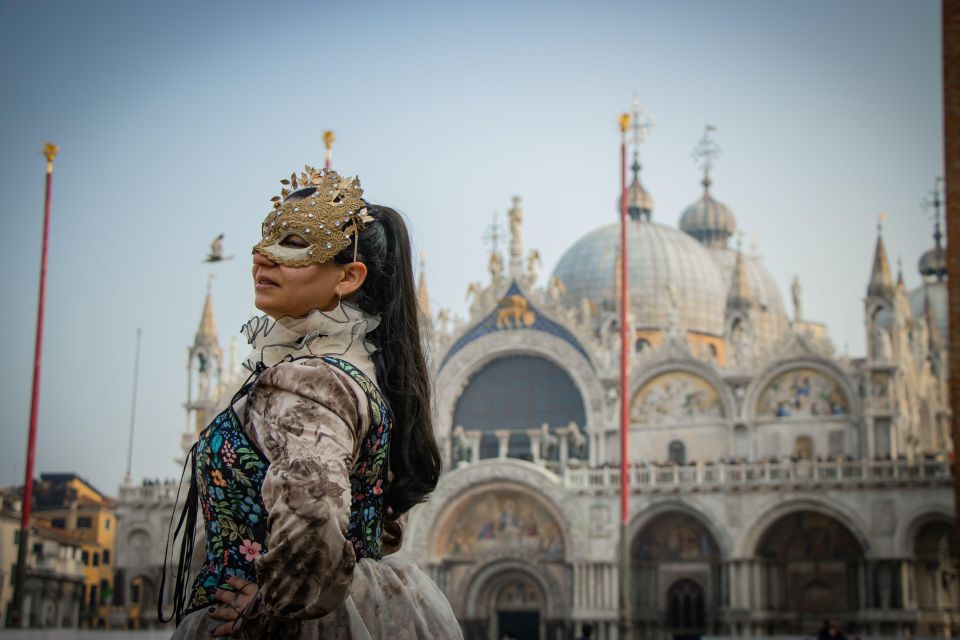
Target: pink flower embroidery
251 550
377 489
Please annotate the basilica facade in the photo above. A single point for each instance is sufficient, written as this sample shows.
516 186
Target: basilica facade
773 482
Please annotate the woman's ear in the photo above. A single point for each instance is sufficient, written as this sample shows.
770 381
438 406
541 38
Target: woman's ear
353 276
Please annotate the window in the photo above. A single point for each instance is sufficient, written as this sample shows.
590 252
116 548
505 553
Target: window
85 558
106 556
84 522
677 453
803 448
134 593
37 548
106 524
517 393
59 523
96 559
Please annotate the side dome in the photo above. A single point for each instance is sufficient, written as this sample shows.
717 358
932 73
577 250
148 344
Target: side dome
933 263
708 220
659 257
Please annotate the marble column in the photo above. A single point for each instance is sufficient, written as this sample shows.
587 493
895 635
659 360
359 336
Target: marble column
503 438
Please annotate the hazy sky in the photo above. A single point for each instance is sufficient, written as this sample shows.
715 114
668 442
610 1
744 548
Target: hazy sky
176 120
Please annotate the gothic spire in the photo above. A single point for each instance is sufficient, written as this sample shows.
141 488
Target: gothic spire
207 333
881 284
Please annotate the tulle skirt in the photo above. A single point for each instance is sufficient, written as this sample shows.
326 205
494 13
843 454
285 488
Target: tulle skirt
389 598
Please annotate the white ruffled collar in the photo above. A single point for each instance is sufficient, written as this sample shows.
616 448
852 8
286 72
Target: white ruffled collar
340 332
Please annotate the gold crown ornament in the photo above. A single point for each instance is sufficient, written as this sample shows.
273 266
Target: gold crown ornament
323 209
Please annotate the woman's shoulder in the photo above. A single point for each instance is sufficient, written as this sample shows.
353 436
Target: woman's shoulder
312 378
340 387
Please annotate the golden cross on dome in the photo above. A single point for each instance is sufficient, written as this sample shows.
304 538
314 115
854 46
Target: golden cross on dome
641 122
706 152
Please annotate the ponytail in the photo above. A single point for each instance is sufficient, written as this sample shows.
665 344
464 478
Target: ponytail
388 291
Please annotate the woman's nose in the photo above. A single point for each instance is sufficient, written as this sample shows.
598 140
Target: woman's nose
259 258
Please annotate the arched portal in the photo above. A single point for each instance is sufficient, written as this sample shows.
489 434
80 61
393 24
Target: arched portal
812 567
511 598
686 610
518 606
675 584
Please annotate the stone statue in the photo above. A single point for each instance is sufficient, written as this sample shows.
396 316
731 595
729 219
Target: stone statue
474 294
797 293
533 262
556 288
515 216
443 321
496 267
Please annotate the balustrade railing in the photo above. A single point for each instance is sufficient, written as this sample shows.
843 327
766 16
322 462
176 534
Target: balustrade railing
706 476
165 491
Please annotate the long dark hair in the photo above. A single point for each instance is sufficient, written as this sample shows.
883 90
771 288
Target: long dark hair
384 247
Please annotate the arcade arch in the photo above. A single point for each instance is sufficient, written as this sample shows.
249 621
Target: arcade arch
676 575
811 567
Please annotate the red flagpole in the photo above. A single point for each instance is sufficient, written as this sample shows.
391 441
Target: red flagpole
625 344
50 151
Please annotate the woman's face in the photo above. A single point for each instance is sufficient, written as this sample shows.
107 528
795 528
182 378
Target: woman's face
294 291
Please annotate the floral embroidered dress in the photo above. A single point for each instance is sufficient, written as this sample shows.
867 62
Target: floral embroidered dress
292 497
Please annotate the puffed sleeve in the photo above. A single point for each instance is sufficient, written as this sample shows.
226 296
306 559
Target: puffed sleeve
309 421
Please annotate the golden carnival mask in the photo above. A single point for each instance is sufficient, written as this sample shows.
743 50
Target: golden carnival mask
329 217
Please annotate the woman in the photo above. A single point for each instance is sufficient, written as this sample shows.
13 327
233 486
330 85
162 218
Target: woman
304 480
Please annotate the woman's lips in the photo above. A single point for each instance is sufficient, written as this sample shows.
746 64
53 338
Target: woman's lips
263 282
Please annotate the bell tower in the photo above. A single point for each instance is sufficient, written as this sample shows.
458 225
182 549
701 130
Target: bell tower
204 373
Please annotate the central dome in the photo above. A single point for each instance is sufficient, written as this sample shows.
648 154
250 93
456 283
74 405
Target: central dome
659 257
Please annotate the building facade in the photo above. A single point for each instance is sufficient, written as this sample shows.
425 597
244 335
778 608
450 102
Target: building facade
68 503
774 483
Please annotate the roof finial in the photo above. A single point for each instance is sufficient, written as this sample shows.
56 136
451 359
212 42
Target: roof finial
491 237
639 203
642 122
705 154
933 263
899 270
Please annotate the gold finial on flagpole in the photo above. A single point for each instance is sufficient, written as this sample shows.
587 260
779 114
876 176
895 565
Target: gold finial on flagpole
328 140
50 150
